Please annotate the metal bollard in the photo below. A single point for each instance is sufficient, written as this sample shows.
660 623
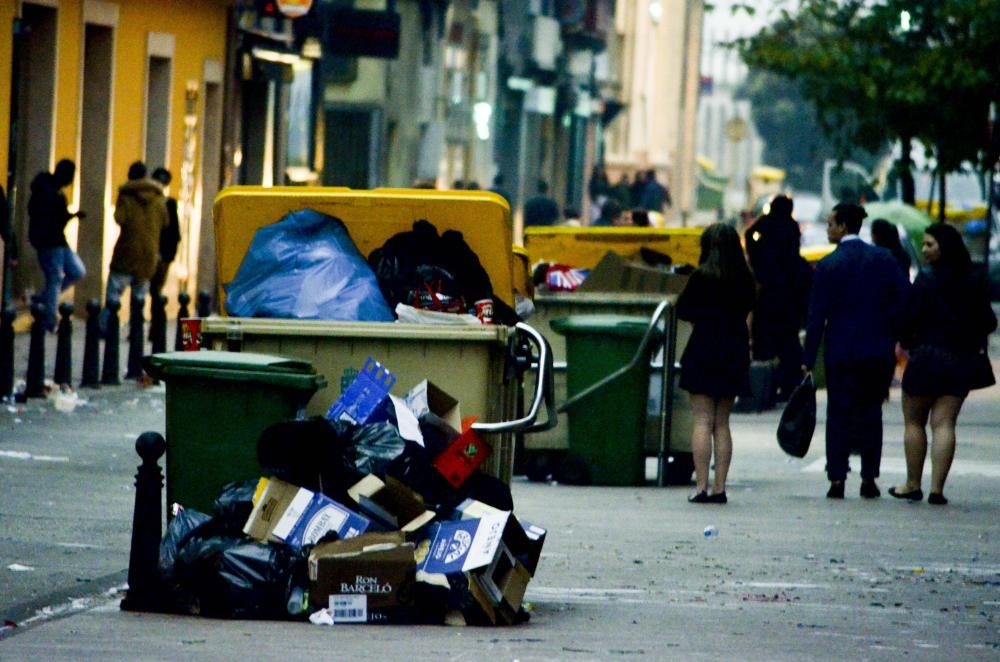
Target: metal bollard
7 317
158 323
136 339
35 378
143 573
91 376
184 299
63 372
110 369
204 303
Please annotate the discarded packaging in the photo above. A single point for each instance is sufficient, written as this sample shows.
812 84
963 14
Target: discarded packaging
391 503
369 389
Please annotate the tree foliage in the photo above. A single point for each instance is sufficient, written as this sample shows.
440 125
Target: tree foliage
892 70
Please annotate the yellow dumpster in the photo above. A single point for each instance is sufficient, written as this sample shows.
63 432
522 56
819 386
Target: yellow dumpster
584 247
479 365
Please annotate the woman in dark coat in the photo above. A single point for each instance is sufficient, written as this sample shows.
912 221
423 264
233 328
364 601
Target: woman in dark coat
717 300
946 326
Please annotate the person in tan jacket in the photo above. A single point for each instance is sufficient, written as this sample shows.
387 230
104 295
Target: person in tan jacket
141 213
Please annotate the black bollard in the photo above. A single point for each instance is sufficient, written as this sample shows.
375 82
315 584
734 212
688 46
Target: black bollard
7 351
63 373
143 572
35 378
110 369
136 339
204 303
183 299
158 323
91 376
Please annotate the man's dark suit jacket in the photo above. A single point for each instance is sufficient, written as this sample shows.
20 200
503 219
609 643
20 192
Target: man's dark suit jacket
857 297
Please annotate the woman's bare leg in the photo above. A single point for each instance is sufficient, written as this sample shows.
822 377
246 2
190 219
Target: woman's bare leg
703 411
723 443
944 415
916 409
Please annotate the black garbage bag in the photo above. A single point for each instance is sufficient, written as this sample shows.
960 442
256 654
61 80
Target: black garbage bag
233 505
313 453
182 527
798 421
375 446
250 580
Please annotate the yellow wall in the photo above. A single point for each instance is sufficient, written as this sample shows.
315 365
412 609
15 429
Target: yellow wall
199 28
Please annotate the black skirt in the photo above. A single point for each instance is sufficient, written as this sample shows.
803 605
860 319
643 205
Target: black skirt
935 371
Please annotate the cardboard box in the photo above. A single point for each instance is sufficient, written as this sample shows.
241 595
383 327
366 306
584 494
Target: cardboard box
427 398
615 273
364 579
525 542
391 503
298 517
477 549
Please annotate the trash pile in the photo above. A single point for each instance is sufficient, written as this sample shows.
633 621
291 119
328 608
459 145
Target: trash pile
646 271
377 512
306 266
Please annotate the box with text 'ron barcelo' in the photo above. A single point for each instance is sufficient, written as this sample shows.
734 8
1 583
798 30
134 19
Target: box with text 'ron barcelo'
475 550
296 516
367 579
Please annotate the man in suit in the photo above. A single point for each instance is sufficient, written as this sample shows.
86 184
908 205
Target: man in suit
857 295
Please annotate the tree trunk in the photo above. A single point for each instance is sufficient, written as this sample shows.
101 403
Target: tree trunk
943 198
904 168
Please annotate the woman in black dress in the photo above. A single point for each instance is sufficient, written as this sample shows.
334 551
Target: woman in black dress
717 300
947 323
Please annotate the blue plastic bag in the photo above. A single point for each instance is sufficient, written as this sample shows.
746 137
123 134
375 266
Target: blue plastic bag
305 266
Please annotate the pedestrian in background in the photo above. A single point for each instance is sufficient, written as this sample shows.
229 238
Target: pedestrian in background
170 236
947 323
856 301
611 214
141 214
499 189
654 194
717 300
622 191
637 188
48 215
540 209
773 249
640 218
886 235
597 189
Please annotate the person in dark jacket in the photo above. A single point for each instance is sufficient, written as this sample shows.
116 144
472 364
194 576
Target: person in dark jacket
947 323
141 213
170 237
654 194
716 300
540 209
886 235
773 249
48 214
856 303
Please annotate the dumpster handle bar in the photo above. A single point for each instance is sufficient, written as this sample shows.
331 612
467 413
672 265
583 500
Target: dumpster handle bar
544 364
640 356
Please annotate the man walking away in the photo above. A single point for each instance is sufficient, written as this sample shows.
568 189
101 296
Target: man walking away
48 215
170 236
773 248
141 212
856 301
654 194
540 209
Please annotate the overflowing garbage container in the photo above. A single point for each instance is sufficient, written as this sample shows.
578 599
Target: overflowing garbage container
217 404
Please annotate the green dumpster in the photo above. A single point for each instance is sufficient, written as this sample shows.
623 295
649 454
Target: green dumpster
217 404
607 427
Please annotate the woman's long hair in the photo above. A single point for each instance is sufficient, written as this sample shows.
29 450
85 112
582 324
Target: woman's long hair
955 264
722 257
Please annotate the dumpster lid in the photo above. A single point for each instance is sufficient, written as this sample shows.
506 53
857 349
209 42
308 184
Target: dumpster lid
235 366
618 325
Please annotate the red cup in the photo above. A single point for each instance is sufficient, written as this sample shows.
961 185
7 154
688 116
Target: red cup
191 334
484 311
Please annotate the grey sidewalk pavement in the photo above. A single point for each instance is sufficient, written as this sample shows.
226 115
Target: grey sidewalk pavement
626 573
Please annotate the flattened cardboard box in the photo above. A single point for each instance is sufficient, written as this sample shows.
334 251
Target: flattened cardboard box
391 503
364 578
615 273
428 397
296 516
525 541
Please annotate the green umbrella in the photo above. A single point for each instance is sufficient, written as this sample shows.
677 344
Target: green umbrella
911 219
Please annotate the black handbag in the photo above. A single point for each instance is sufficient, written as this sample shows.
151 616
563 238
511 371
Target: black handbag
798 420
981 371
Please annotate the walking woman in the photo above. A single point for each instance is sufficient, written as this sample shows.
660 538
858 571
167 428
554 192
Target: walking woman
947 324
717 300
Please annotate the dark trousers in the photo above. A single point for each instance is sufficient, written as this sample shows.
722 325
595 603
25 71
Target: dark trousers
855 393
776 335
